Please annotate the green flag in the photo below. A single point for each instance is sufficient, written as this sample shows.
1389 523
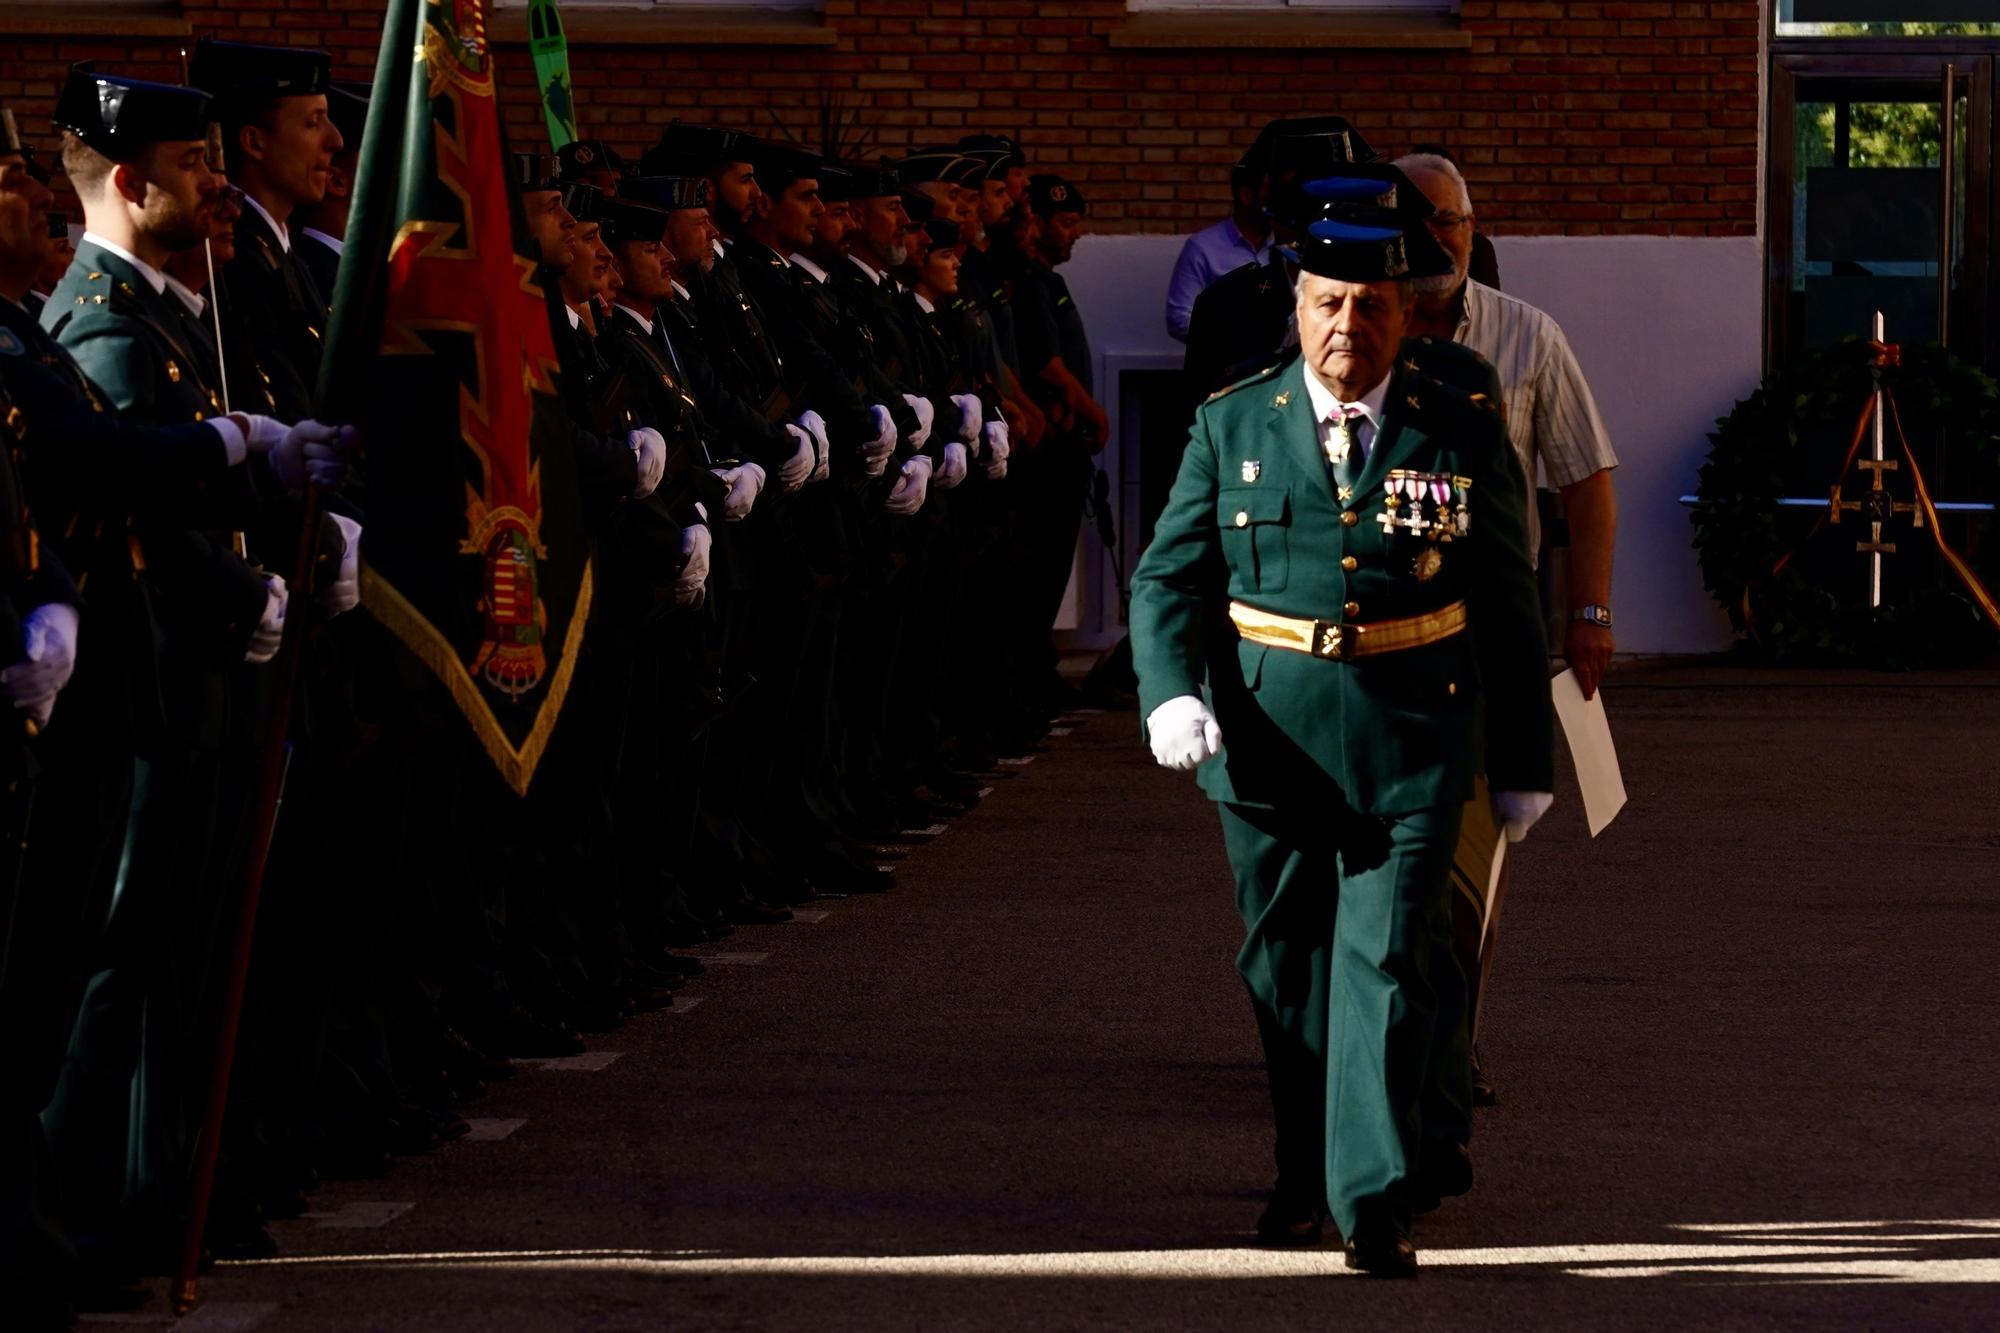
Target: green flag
440 349
549 45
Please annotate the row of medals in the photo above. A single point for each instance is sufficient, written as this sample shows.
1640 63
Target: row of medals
1432 505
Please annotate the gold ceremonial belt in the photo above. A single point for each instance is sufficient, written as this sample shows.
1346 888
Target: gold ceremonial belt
1331 639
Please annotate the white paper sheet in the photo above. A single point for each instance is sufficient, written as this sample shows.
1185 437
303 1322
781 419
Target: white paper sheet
1589 734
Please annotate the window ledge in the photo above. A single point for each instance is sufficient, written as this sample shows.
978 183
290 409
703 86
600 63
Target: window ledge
1295 30
91 21
687 26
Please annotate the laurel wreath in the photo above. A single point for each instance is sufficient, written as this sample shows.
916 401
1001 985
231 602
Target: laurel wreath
1788 439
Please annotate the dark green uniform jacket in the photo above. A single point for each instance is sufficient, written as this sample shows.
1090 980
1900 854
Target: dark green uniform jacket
1254 517
1238 324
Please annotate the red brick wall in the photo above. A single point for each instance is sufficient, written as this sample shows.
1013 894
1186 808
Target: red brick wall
1579 117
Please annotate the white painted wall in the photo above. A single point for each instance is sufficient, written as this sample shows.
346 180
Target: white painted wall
1667 329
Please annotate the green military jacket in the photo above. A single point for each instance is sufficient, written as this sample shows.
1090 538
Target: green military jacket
139 346
1254 518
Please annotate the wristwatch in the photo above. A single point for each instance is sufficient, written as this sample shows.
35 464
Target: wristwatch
1593 614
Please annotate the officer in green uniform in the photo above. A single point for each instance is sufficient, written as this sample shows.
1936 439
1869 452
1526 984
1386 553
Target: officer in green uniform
1337 614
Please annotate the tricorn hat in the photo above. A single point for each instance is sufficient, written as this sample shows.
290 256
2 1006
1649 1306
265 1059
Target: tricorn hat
1372 225
626 220
243 76
1049 195
1259 158
120 117
574 160
668 192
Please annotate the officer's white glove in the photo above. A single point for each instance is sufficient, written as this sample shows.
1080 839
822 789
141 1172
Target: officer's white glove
911 487
270 631
926 415
1184 733
952 470
652 450
793 472
875 452
746 483
310 451
345 594
995 436
691 588
48 656
1517 811
815 426
971 415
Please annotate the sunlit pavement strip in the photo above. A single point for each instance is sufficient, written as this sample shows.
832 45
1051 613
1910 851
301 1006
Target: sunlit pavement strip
221 1317
587 1063
1020 761
1062 731
491 1131
1885 1262
806 918
361 1214
680 1006
732 959
928 831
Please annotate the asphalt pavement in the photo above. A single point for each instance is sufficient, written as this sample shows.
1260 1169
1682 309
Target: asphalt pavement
1745 1044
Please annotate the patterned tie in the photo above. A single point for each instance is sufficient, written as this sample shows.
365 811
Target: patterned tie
1344 452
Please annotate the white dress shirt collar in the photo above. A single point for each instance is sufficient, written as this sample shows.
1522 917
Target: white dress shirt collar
333 243
924 305
196 303
154 278
680 290
575 320
643 322
1326 404
284 236
810 267
862 264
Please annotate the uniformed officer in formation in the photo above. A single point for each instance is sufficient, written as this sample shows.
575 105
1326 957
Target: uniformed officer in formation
1335 625
833 422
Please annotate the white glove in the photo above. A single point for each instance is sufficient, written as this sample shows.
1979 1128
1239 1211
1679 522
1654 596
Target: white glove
48 656
1517 811
345 594
995 435
1184 733
270 631
926 414
875 453
971 413
691 588
793 472
652 451
953 469
911 487
310 451
815 425
746 483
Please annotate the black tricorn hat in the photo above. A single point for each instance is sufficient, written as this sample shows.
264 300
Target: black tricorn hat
1049 195
696 150
627 220
243 76
943 231
918 205
120 117
939 164
347 105
533 171
573 160
668 192
1003 144
584 202
778 165
1372 225
848 180
1258 158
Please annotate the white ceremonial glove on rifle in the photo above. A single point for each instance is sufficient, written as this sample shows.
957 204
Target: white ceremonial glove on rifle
652 450
745 483
875 452
1184 733
309 451
911 487
815 425
345 594
926 414
994 434
48 657
796 470
691 588
1517 811
971 415
270 631
952 470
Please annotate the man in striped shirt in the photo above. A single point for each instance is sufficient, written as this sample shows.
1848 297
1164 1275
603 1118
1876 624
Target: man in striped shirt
1553 424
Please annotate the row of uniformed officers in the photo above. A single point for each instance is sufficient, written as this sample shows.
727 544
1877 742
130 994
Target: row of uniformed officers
886 392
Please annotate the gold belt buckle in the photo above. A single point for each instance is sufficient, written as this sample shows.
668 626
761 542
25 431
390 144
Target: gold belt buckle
1331 641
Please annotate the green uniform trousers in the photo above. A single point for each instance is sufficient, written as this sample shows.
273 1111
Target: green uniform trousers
1359 998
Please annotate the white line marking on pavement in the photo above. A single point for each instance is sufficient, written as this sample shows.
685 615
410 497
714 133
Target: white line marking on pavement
1021 761
1062 731
681 1006
928 831
985 792
360 1215
733 959
588 1063
491 1131
807 917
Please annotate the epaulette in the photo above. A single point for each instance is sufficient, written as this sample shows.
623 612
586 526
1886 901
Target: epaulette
1258 378
1451 373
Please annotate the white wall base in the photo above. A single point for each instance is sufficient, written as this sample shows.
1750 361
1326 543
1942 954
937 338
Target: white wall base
1668 330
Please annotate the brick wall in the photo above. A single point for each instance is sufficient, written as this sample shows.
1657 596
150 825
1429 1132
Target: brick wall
1578 117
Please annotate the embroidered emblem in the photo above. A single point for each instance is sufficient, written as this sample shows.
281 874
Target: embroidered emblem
584 157
1252 469
1429 561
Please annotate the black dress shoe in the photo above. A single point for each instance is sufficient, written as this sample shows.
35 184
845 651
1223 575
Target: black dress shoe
1482 1089
1378 1248
1290 1225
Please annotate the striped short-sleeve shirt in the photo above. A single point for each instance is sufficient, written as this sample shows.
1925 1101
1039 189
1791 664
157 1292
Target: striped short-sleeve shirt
1551 417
